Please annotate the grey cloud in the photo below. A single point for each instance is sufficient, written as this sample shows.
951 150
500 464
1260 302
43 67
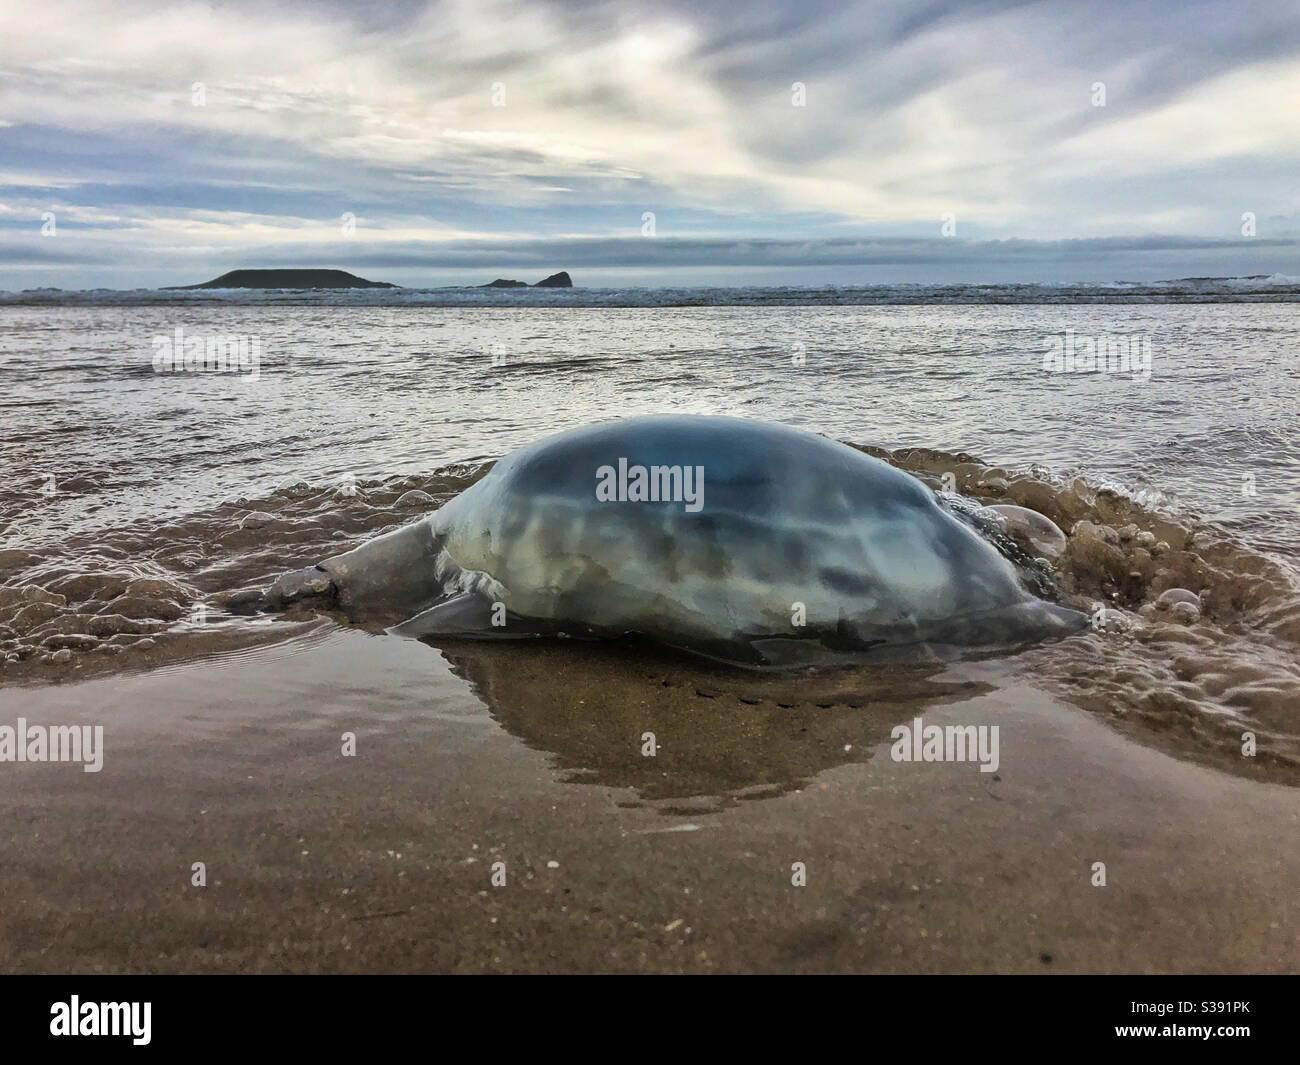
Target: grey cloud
1010 77
670 253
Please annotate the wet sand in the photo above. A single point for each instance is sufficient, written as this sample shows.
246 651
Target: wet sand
531 755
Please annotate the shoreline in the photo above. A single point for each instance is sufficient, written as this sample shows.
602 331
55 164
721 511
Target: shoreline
321 863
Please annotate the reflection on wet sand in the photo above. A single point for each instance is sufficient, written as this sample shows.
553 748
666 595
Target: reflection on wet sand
719 736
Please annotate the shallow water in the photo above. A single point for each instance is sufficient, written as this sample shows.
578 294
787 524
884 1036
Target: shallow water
133 500
617 863
384 392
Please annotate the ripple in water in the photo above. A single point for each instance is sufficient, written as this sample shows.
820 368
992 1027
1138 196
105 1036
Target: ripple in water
136 508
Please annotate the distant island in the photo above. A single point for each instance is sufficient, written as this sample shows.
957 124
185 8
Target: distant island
288 279
560 280
339 279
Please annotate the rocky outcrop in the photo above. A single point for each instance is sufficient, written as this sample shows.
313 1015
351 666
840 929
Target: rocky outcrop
288 279
560 280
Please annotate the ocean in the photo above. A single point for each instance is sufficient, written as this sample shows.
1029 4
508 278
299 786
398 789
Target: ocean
373 393
144 499
1262 288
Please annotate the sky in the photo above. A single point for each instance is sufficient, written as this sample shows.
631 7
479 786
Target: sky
649 143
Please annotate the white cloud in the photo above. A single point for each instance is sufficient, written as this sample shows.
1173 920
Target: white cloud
610 111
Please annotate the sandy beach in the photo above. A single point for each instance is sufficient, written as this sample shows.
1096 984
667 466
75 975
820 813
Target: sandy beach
614 862
771 830
519 487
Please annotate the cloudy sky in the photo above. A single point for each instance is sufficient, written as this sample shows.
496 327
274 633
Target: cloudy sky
772 141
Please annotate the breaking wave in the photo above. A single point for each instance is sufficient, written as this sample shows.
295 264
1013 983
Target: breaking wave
1271 288
1194 642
